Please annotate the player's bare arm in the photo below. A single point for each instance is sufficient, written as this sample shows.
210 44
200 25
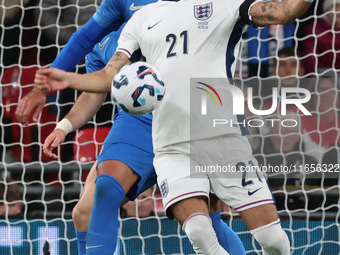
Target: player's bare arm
103 84
275 13
117 61
86 106
96 82
82 111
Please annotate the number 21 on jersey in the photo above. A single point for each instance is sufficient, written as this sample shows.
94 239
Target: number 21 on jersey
172 39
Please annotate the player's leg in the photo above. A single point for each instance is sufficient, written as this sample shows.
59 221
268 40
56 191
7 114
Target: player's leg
82 211
259 213
124 163
246 191
193 215
264 224
227 238
114 180
185 199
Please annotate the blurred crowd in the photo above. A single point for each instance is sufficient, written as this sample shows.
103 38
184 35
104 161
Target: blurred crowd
305 54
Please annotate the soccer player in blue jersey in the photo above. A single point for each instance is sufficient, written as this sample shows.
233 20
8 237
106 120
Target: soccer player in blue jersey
128 144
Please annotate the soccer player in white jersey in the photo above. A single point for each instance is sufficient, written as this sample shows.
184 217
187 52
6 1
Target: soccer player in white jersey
169 36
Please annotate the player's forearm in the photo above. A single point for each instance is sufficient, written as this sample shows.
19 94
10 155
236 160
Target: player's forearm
85 108
100 81
96 82
278 13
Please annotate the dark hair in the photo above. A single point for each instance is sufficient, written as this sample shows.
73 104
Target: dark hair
289 51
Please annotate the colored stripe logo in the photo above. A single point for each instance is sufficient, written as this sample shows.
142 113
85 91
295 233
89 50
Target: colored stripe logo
204 98
209 93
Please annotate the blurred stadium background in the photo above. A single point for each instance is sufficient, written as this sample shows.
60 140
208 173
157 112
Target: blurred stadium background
34 31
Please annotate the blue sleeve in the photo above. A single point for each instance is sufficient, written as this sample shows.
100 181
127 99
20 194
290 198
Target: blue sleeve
93 63
81 43
103 51
109 12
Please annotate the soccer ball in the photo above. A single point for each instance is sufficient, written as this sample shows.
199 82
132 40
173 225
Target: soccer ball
137 88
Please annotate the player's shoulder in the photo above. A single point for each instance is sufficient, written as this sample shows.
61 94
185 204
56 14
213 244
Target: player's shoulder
124 7
130 7
144 12
135 5
148 6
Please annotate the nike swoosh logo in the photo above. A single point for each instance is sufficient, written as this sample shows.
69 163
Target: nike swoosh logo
251 193
101 46
149 27
135 8
90 247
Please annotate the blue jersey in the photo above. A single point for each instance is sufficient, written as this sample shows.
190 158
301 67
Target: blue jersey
109 17
117 12
129 140
102 53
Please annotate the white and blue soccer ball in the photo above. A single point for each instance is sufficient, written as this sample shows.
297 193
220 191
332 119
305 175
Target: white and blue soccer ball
137 88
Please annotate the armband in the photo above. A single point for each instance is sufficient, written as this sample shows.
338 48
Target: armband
245 15
64 125
244 11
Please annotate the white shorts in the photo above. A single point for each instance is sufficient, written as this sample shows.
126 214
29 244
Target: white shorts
223 164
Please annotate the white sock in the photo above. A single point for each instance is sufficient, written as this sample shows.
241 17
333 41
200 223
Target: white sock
202 236
272 238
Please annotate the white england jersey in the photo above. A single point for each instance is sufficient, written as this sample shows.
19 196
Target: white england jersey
183 40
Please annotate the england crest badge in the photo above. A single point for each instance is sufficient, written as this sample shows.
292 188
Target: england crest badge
164 188
203 12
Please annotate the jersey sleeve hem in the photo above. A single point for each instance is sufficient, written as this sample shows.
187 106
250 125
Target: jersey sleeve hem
125 51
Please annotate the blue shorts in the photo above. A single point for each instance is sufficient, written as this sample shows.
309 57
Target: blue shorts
129 141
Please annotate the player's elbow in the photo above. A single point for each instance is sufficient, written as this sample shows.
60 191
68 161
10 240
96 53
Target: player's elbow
282 18
286 19
272 19
288 11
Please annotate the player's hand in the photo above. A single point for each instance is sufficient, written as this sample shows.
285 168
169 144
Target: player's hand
52 141
36 99
52 79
